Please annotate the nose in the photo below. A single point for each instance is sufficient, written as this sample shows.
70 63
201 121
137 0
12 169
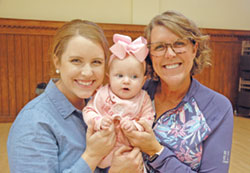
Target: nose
169 52
126 80
86 70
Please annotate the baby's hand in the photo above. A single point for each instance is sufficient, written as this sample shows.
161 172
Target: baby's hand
128 126
106 123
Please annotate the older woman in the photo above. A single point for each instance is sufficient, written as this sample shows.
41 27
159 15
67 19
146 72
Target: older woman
193 124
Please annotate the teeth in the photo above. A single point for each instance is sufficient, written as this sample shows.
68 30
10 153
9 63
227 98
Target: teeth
85 83
172 66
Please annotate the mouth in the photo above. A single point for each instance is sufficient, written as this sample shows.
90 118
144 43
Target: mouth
85 83
125 89
172 66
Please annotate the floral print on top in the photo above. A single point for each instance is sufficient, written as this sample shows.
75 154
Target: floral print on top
182 130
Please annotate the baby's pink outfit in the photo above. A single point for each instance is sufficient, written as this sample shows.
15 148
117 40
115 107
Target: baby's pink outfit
106 103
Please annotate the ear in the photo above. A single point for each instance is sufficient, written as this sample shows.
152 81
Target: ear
56 61
195 48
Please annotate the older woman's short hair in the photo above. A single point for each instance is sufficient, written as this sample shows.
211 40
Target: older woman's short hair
184 28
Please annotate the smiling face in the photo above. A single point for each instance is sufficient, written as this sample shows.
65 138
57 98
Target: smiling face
173 69
81 69
126 77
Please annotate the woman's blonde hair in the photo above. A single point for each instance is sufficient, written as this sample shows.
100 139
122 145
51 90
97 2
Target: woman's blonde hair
84 28
184 28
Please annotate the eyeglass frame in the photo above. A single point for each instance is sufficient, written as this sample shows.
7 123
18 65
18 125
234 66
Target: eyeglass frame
167 45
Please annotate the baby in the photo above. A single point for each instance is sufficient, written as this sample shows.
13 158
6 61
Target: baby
122 101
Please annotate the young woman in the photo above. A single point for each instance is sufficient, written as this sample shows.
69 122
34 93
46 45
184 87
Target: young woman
49 134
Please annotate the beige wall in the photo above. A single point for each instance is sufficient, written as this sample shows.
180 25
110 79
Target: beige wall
224 14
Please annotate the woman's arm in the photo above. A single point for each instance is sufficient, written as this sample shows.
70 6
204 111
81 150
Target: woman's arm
217 147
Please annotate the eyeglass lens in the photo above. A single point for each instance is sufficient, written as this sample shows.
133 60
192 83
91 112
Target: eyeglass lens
160 48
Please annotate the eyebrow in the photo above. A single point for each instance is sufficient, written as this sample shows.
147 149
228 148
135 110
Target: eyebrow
80 57
75 56
166 42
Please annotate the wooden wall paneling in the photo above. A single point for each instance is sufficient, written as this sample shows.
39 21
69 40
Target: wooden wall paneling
211 80
223 63
19 72
227 71
219 60
26 71
231 75
32 65
1 72
233 78
39 59
1 66
46 58
11 74
205 76
4 96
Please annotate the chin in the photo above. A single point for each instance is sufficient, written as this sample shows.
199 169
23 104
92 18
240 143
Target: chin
85 95
175 79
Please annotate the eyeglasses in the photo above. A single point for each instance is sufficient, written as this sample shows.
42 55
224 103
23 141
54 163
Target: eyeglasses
160 48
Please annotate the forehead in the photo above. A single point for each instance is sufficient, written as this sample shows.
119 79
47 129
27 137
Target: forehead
83 47
129 65
160 33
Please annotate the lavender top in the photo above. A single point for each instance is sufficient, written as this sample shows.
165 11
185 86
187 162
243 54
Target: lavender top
196 135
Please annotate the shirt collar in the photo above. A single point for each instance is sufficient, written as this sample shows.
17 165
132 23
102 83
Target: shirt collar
192 89
61 103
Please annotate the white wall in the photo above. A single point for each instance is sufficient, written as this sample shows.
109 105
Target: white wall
227 14
220 14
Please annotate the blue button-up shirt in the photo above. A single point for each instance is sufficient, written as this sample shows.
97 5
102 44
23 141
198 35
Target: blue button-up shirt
48 135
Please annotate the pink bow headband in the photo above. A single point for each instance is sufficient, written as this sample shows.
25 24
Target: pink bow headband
124 45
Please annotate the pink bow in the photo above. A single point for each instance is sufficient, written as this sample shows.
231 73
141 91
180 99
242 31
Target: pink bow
123 45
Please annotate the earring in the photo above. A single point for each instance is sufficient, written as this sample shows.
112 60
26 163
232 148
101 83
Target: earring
57 71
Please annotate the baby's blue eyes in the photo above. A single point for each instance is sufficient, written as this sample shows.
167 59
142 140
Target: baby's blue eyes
133 76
